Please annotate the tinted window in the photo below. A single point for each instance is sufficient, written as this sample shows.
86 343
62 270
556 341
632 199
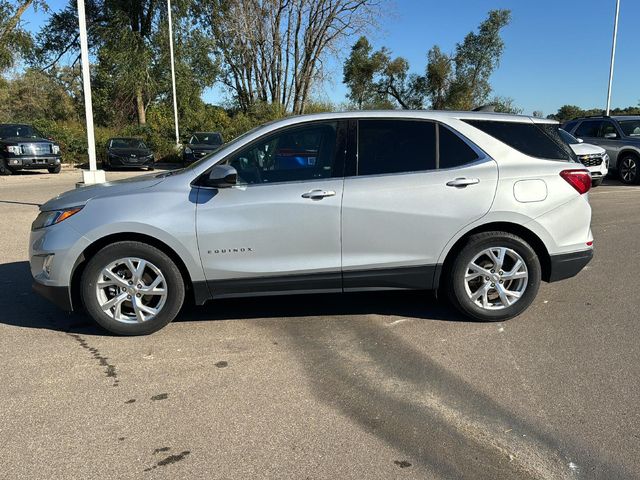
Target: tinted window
454 152
293 155
588 128
630 127
569 125
127 143
24 131
528 138
608 128
395 146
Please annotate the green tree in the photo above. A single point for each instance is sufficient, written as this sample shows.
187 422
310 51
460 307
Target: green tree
475 60
14 39
359 71
129 39
439 78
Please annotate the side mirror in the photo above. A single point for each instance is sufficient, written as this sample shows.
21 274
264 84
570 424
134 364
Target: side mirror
610 135
580 140
222 176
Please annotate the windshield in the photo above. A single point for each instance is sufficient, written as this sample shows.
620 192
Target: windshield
206 138
630 128
228 146
25 131
127 143
567 137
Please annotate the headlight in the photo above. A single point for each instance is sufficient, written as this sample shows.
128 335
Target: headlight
46 219
55 149
15 149
188 151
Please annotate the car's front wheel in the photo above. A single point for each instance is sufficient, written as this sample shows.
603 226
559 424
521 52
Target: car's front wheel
55 169
4 168
495 276
131 288
629 169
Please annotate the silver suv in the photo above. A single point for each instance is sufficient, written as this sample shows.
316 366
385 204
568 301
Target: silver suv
619 136
480 205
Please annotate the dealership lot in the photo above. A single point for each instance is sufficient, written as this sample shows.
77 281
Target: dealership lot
389 385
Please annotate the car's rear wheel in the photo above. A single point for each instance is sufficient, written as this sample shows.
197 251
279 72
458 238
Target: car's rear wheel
131 288
495 276
629 169
55 169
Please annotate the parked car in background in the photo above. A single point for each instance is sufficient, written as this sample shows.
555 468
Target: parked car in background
127 152
593 157
22 147
619 136
201 144
481 206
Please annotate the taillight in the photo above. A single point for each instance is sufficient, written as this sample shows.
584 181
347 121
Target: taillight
578 179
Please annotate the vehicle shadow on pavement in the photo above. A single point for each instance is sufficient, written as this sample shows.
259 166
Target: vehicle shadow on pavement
437 421
21 307
407 304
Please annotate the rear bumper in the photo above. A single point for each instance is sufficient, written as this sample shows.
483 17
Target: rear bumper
59 296
568 265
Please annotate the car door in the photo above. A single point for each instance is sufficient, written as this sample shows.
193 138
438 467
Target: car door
279 229
611 140
417 183
592 131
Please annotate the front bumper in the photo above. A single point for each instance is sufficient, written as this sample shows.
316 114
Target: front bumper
27 163
59 296
568 265
130 162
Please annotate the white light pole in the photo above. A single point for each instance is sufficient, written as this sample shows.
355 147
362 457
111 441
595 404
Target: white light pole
93 175
173 75
613 55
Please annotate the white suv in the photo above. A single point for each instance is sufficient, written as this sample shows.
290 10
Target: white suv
482 206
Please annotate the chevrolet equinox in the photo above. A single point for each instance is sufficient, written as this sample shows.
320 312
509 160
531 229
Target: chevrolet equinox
480 206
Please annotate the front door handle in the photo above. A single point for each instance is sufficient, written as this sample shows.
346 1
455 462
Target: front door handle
318 194
463 182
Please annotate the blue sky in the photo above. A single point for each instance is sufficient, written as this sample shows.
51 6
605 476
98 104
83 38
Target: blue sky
557 51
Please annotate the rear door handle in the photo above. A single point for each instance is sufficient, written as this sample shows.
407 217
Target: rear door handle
318 194
463 182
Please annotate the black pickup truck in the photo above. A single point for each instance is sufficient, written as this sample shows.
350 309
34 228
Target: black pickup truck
23 147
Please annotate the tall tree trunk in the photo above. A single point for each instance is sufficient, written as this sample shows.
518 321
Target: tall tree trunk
140 108
13 21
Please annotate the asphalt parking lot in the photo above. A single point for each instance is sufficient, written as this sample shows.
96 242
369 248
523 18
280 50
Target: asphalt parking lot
358 386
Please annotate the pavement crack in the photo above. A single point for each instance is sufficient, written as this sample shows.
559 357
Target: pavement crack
110 369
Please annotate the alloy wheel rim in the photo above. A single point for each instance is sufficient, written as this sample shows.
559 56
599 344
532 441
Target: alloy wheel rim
496 278
131 290
628 169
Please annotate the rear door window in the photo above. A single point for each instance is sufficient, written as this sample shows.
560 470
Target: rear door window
454 151
395 146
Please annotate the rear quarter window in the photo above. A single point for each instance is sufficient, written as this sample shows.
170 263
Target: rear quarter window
526 137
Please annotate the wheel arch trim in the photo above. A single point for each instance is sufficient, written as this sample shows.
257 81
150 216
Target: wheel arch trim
196 287
456 244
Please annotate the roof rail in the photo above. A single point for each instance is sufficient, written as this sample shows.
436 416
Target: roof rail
485 108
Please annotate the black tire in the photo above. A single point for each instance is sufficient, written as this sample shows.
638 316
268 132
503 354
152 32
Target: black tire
629 169
455 281
55 169
151 169
596 183
4 169
111 253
